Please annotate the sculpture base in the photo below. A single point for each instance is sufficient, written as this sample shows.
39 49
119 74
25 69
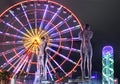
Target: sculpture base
38 78
13 81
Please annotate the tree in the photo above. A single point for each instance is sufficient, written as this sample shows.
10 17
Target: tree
4 76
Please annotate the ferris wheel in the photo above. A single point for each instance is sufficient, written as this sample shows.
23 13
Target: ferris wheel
27 21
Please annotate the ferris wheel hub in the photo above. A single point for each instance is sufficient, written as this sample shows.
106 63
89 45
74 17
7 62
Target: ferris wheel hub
34 40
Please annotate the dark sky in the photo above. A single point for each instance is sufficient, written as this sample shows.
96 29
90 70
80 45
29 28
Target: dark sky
104 18
102 15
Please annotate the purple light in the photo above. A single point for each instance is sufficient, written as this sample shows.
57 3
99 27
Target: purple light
94 77
107 50
65 31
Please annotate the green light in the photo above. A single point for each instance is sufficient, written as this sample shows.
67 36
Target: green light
107 65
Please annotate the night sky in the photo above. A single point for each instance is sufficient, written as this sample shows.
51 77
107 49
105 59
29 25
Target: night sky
104 19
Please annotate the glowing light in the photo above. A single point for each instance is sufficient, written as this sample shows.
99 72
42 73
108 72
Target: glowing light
33 42
107 62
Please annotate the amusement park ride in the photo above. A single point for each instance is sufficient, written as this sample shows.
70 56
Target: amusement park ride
39 37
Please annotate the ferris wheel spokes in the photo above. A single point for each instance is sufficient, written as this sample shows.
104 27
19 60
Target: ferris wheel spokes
29 64
11 50
14 28
24 11
11 42
11 35
64 39
64 47
43 18
19 65
11 60
58 65
52 68
64 57
51 65
15 63
35 15
53 18
65 31
19 22
50 73
59 24
22 63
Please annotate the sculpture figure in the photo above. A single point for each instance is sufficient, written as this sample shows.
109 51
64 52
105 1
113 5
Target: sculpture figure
41 73
86 51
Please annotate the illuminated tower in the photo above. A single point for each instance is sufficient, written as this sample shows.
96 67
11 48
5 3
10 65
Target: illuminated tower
107 65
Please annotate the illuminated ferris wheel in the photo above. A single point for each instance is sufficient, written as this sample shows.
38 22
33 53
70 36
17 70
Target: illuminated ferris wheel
28 21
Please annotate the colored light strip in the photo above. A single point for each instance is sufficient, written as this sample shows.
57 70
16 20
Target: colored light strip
50 73
65 39
10 42
17 59
29 64
60 24
35 15
53 18
14 28
11 50
11 35
19 21
64 47
64 57
65 31
51 67
44 15
27 18
58 65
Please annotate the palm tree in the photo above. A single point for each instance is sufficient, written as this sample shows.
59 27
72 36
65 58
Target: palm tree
4 76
